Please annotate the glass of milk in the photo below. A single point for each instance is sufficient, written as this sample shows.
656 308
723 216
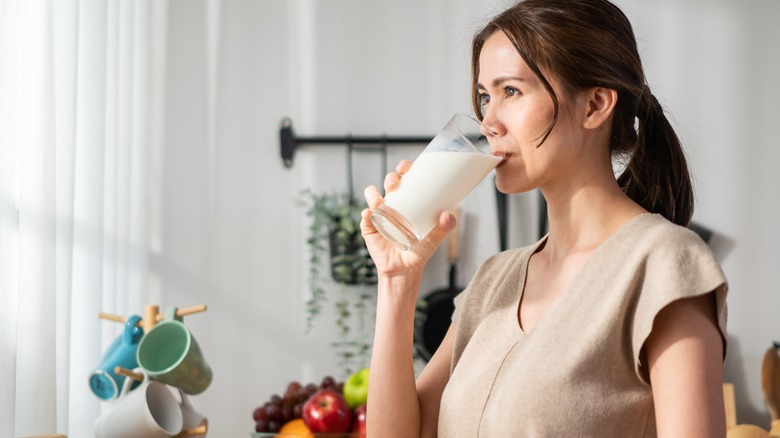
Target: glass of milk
442 175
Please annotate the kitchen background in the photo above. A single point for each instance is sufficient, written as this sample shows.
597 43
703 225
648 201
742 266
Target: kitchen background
223 225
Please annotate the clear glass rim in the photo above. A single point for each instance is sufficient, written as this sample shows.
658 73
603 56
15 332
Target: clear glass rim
469 139
381 214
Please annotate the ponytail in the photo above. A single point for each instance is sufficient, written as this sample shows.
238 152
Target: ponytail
656 176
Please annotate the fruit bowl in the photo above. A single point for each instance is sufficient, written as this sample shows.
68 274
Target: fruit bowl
311 435
328 406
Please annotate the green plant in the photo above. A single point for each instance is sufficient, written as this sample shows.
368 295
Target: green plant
335 229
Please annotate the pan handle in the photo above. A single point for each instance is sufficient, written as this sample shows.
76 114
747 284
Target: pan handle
453 251
502 217
452 239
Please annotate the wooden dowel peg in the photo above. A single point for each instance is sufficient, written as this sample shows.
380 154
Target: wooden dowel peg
194 431
117 318
111 317
127 373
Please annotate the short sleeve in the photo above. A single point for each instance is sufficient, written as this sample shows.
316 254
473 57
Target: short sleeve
680 265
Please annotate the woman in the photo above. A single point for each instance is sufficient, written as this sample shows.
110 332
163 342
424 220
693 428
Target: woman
611 325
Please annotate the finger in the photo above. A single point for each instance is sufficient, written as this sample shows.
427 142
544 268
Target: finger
366 226
403 166
392 180
444 225
373 197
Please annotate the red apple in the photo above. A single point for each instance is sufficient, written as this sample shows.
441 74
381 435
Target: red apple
359 419
327 412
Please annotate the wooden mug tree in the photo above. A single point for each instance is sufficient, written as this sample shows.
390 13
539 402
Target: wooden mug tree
151 317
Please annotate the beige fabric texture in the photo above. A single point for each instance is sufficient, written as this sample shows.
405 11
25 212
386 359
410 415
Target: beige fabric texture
577 373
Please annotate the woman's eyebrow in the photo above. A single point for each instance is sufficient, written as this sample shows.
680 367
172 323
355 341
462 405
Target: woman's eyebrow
500 80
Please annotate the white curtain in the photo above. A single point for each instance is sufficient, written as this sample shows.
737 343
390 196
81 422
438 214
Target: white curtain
80 114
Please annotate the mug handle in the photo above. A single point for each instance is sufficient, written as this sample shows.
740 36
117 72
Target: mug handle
133 332
185 401
170 314
129 382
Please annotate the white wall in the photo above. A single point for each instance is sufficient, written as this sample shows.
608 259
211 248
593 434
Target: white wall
228 232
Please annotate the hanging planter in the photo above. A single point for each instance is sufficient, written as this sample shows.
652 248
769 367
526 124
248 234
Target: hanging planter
336 226
350 262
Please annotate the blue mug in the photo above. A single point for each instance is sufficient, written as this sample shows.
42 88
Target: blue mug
104 381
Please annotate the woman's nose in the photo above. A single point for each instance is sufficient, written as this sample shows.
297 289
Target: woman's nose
490 125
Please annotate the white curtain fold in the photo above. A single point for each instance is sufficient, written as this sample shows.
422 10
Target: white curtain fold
76 130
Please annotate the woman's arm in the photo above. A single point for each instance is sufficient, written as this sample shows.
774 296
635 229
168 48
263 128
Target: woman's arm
431 383
395 409
392 395
685 360
400 407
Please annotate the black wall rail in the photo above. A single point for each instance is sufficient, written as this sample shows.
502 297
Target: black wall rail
290 142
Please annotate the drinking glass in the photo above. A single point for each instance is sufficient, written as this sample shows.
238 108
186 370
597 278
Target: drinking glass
449 167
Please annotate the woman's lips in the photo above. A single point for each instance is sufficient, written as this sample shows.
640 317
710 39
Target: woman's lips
503 155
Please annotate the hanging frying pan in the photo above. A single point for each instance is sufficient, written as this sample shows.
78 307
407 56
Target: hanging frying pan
434 311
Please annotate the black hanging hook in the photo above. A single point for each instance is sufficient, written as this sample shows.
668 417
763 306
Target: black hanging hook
350 179
383 148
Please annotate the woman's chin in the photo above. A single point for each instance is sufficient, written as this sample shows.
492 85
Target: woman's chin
503 185
508 185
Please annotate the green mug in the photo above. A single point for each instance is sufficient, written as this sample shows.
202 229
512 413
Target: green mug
169 354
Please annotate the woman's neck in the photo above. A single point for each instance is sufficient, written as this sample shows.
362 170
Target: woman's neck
584 214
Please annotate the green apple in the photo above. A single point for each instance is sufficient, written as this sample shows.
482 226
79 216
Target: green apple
356 388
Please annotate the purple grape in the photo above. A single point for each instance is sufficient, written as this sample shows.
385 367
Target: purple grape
274 426
260 414
274 412
328 383
297 411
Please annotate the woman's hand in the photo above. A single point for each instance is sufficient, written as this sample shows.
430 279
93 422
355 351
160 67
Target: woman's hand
390 260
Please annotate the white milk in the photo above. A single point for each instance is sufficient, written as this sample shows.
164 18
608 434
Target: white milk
436 182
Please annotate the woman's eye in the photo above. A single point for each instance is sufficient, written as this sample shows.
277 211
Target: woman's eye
483 99
511 91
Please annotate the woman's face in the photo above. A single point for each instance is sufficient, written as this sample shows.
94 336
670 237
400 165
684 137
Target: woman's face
517 111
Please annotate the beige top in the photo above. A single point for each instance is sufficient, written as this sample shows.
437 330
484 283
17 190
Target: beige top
577 373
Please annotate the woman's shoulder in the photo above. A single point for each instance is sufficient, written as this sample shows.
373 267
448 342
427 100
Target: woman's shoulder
666 256
652 234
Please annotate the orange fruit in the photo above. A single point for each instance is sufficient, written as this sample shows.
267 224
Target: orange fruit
295 428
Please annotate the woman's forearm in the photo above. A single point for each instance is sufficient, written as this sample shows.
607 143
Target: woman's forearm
392 398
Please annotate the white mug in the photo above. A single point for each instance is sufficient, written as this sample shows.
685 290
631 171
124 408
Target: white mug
150 411
192 418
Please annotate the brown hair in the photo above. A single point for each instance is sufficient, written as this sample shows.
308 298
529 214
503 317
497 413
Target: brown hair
590 43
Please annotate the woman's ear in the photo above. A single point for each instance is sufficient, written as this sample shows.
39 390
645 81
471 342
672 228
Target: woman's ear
600 102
